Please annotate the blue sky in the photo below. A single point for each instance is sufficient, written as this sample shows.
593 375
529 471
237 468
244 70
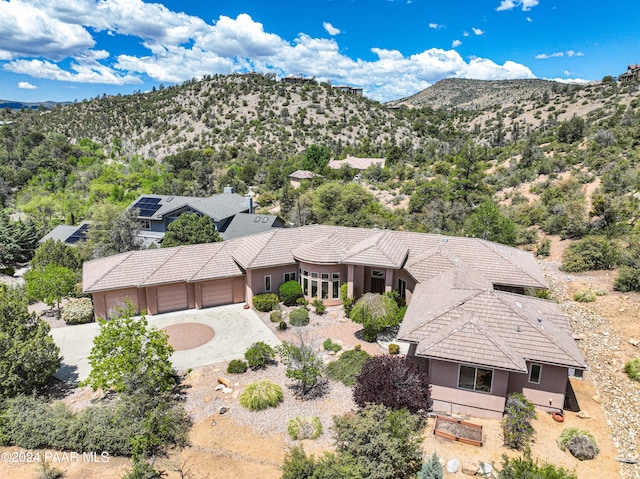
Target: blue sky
65 50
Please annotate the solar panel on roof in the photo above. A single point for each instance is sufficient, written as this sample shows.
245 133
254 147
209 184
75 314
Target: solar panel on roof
148 200
147 206
79 235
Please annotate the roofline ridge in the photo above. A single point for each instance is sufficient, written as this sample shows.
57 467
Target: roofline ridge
490 245
177 249
205 263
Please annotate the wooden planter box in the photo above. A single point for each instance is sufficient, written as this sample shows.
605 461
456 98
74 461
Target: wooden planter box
457 430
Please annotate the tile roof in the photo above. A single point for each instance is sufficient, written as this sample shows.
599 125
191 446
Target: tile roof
357 163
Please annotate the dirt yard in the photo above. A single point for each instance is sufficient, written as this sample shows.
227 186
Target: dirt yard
247 445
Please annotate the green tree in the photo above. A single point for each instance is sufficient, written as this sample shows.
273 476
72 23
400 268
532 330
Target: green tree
113 231
18 240
302 363
191 229
316 158
28 354
50 284
380 443
526 467
57 252
375 312
516 423
345 205
486 222
431 468
127 354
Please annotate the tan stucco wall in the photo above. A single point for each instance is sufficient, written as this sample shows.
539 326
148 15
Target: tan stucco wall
549 394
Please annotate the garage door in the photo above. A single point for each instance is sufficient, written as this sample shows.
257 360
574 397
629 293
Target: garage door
116 300
216 294
172 298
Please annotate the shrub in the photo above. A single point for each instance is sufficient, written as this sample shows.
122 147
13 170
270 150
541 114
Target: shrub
290 292
590 253
393 348
78 311
8 270
304 427
347 302
584 296
282 326
375 312
516 423
347 367
319 306
431 468
628 280
265 302
297 465
581 444
521 467
261 395
393 381
237 366
543 248
275 316
303 364
259 355
299 317
632 368
302 302
329 345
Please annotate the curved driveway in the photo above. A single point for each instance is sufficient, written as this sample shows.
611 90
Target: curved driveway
236 329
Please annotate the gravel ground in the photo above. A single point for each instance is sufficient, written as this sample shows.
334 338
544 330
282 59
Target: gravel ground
619 396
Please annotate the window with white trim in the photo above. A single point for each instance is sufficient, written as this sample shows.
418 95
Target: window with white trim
322 285
289 277
145 224
475 379
535 373
267 283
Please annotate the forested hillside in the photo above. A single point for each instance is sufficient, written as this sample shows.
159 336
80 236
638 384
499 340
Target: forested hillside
508 161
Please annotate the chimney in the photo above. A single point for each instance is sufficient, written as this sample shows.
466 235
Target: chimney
228 189
248 202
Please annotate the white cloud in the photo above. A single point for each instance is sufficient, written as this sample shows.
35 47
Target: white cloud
465 34
478 31
529 19
331 30
569 53
511 4
26 85
180 47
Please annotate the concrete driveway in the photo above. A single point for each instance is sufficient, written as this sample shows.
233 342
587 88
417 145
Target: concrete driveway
236 329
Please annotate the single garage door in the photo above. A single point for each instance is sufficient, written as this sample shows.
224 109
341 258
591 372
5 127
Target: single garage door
172 298
116 300
217 294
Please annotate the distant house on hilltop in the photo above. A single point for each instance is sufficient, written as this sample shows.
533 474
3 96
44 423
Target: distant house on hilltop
297 177
631 75
357 163
298 79
349 89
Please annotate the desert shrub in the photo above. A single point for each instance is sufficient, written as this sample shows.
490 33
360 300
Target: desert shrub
299 317
259 355
628 280
302 302
632 368
431 468
347 367
543 248
282 326
261 395
303 364
304 427
590 253
265 302
290 292
237 366
393 348
581 444
585 296
526 467
319 306
347 302
297 465
78 311
275 316
393 381
329 345
516 424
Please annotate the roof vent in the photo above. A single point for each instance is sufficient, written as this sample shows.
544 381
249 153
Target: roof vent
169 199
228 189
445 240
518 330
540 323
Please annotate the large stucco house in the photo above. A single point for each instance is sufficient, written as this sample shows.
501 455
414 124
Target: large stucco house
471 320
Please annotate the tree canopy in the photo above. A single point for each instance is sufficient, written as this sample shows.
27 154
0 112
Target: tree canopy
50 284
127 354
375 312
191 229
28 354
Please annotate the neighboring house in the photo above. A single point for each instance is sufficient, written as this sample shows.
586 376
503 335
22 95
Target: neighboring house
631 75
469 322
297 177
357 163
70 235
349 89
